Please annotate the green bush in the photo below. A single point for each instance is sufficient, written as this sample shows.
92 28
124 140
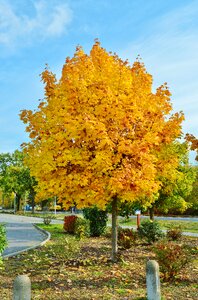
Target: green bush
171 257
98 220
108 232
47 220
3 240
126 237
174 233
82 228
150 230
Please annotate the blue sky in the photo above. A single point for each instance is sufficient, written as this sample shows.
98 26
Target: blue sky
36 32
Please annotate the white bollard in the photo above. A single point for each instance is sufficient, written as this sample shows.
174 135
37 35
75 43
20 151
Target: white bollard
22 288
153 280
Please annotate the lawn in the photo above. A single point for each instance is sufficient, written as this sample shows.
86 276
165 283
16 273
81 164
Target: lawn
66 268
185 225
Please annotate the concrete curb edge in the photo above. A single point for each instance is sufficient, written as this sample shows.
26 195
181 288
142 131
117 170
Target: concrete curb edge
46 233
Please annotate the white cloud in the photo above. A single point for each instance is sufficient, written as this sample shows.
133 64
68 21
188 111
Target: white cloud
47 21
170 52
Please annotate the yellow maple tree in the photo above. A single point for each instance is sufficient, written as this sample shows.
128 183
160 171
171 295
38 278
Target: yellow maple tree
95 135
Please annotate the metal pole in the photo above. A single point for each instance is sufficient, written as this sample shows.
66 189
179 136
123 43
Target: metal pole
55 205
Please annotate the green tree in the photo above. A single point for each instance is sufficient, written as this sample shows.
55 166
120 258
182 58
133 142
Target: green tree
176 182
192 198
15 177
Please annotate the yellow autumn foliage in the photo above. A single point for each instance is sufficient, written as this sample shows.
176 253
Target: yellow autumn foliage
96 134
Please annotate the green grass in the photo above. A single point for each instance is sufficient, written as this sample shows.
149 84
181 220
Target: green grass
185 225
56 230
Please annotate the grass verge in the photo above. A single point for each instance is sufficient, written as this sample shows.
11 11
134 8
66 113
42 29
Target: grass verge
164 224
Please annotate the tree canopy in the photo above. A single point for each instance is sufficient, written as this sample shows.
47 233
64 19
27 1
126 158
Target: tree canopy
15 176
176 177
97 133
194 143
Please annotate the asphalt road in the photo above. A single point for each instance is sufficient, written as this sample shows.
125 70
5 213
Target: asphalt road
21 233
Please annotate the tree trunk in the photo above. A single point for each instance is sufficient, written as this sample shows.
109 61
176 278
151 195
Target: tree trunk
151 213
17 201
3 200
32 197
114 230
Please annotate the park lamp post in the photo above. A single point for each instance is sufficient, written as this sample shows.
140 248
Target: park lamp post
55 205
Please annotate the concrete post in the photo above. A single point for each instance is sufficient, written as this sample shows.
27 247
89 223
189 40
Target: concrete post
153 280
22 288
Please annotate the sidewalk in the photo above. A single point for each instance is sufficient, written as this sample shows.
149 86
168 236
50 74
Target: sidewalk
22 235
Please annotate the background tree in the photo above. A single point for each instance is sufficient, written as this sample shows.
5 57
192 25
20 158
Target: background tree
15 176
194 143
6 200
176 176
93 137
177 182
192 198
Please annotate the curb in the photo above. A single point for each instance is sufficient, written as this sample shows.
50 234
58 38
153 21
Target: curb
46 233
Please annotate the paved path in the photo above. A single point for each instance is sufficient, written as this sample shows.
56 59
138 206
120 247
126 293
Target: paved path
21 233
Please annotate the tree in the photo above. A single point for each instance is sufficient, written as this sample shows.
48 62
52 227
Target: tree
176 177
194 143
15 176
192 197
6 200
93 136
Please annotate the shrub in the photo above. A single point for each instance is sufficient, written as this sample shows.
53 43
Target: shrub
150 230
174 233
126 237
108 232
3 240
69 224
98 220
47 220
82 228
171 257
